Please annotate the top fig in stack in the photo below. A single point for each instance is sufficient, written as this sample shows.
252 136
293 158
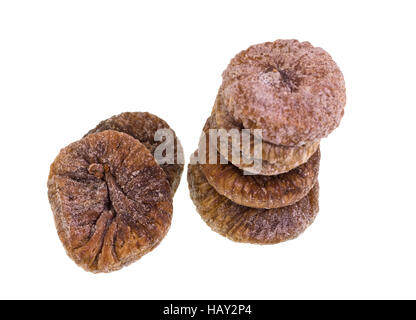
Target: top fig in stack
293 92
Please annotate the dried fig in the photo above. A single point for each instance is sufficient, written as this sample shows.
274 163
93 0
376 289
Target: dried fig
292 91
111 201
259 191
244 224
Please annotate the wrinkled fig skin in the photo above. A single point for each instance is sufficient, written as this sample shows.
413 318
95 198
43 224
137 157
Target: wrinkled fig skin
260 191
291 90
275 159
244 224
143 126
111 201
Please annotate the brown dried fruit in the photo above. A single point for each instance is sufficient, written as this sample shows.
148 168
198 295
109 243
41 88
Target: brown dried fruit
259 191
143 126
111 201
275 159
243 224
291 90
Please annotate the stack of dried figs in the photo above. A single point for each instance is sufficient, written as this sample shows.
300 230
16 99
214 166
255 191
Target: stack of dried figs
254 177
111 199
285 96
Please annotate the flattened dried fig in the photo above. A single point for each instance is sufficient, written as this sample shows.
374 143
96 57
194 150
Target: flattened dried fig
143 126
111 201
292 91
244 224
260 191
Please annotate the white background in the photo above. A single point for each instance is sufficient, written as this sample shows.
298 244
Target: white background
66 65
